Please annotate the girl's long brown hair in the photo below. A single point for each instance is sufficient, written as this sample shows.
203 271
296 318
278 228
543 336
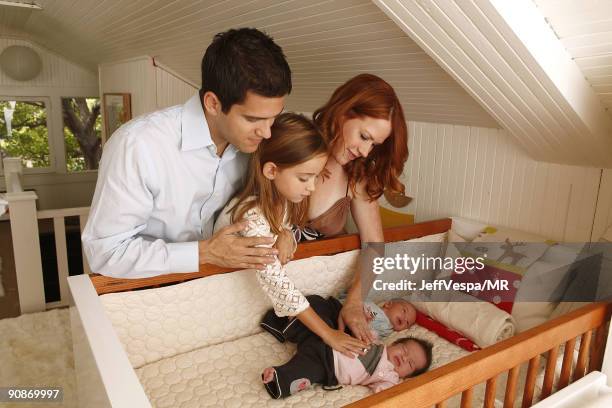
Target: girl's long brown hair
362 96
295 139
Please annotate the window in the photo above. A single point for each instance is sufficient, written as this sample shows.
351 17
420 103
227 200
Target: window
24 131
82 133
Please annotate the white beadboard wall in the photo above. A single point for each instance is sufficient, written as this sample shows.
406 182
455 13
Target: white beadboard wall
57 72
171 89
478 173
136 77
150 87
603 214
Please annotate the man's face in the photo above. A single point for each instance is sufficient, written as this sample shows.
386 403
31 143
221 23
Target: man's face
246 124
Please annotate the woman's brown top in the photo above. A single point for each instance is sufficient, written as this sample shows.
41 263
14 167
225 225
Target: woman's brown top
332 221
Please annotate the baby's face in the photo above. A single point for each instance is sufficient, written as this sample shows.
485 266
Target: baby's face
402 315
407 357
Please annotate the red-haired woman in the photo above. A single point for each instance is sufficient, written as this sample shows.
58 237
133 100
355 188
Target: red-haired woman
365 128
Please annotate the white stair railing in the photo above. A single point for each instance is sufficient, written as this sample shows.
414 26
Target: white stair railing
26 247
61 251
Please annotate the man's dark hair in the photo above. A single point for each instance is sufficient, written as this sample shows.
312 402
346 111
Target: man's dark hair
241 60
427 348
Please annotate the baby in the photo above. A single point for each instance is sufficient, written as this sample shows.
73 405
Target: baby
315 362
393 315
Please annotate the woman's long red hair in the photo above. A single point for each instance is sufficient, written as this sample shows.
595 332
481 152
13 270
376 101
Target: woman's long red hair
362 96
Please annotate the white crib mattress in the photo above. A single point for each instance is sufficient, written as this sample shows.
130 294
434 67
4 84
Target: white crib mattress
228 375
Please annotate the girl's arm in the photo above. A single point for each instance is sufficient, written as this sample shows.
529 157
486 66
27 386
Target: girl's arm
367 218
287 300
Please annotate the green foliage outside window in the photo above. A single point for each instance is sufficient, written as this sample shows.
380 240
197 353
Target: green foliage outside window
29 133
29 136
82 116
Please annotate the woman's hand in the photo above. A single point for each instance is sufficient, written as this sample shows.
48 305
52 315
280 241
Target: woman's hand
343 343
353 316
336 339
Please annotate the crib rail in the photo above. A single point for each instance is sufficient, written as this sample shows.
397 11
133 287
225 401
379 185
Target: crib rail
330 246
436 387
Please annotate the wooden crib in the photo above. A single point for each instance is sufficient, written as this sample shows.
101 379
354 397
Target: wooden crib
434 388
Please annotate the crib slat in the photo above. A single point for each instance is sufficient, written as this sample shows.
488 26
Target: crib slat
597 349
566 368
489 401
82 222
532 372
511 387
61 253
583 354
466 398
549 374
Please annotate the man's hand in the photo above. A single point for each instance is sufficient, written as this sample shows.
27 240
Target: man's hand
353 316
229 250
286 245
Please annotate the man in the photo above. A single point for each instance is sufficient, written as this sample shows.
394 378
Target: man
165 176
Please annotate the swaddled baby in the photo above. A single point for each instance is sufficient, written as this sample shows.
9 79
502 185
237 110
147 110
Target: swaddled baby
315 362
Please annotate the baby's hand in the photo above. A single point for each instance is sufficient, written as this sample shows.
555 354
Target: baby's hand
267 375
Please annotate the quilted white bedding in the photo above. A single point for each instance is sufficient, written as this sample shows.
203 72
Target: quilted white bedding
227 375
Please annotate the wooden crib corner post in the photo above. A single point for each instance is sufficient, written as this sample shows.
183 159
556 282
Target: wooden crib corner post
606 366
26 247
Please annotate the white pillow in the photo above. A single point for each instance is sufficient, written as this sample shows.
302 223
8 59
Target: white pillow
564 308
531 314
454 237
466 228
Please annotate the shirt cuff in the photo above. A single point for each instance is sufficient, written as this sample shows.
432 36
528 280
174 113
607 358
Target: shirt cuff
183 257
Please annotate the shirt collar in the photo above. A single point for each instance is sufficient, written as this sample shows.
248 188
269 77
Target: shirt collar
195 133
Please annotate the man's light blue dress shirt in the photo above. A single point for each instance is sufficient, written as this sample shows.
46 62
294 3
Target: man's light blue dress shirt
160 187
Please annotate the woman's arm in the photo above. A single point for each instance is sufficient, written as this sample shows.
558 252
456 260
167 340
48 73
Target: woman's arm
367 218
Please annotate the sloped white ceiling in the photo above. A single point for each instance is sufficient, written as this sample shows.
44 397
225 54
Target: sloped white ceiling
505 55
326 43
585 30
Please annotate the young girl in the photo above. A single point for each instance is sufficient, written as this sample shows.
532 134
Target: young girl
282 175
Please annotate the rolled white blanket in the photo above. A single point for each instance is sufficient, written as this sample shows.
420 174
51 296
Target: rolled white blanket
480 321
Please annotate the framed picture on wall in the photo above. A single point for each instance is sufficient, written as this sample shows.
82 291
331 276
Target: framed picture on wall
117 111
